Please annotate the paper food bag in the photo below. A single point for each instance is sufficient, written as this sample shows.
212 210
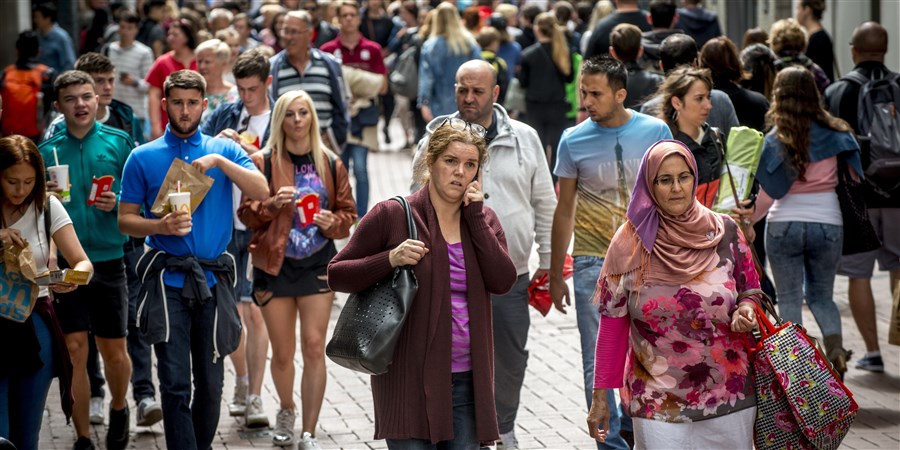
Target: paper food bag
18 292
190 179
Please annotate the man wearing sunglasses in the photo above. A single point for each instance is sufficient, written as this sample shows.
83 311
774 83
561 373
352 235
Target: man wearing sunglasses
246 122
517 186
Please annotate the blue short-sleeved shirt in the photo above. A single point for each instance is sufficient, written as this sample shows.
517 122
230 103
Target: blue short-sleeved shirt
212 221
605 162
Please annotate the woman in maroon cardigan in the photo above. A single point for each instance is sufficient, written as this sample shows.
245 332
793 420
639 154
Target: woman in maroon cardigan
440 386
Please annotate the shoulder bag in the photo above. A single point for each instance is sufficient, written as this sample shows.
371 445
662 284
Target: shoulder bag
370 323
801 401
859 234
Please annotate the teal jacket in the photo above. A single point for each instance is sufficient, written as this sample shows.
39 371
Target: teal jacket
102 151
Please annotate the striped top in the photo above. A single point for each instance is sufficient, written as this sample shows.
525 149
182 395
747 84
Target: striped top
461 349
314 81
135 61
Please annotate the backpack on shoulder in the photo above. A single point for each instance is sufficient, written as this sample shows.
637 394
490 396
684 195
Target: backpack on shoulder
404 79
24 100
879 126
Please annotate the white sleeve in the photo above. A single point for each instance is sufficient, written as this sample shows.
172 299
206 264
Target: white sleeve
58 216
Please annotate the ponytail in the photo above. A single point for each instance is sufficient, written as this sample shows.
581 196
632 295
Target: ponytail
547 25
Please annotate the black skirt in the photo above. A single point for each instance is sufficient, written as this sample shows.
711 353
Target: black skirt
298 277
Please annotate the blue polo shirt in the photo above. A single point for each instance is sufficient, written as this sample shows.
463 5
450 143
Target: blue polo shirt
212 222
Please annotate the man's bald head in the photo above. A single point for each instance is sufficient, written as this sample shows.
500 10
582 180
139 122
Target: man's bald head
870 42
476 92
477 68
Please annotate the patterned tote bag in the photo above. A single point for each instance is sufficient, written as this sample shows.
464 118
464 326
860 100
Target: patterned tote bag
801 401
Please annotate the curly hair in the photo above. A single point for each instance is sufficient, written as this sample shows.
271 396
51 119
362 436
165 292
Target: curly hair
677 84
795 105
440 139
787 38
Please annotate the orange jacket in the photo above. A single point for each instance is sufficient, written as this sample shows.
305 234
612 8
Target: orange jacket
271 226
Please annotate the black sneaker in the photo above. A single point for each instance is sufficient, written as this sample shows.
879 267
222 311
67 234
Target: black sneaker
871 363
83 443
117 434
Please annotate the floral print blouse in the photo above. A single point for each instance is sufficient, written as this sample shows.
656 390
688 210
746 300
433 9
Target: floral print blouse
686 363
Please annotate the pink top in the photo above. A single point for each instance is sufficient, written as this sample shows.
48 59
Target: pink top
821 176
461 348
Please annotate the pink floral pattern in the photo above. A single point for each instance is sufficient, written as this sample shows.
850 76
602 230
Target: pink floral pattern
687 364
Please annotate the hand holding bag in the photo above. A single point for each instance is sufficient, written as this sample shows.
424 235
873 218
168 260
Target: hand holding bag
801 401
370 323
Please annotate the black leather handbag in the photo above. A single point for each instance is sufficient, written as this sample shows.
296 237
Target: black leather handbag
859 234
369 326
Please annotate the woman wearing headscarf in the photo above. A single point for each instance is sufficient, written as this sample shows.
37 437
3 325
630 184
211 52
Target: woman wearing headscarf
671 280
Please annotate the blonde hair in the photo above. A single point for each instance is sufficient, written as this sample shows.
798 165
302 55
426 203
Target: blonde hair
602 9
445 22
787 37
219 48
320 153
548 26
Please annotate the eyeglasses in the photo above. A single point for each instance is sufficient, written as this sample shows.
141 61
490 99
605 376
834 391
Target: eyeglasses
668 181
473 128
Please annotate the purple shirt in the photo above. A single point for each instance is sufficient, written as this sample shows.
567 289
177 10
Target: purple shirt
461 350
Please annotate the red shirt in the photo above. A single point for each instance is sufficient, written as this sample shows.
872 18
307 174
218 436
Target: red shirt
366 55
159 71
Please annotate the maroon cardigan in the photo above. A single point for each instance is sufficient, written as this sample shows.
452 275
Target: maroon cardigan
413 399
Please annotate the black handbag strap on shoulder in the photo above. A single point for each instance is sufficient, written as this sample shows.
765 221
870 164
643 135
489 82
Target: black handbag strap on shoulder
410 223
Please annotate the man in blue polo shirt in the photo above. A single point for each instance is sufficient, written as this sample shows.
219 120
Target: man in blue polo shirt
188 311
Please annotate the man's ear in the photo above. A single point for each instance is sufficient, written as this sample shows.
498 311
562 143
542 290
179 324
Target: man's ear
620 95
612 52
163 102
495 94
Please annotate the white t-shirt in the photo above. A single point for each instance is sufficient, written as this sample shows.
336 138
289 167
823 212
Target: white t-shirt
32 230
258 124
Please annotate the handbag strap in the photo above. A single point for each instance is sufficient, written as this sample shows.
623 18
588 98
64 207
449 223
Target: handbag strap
410 223
764 307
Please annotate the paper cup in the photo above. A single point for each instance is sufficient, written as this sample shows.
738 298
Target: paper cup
60 174
181 201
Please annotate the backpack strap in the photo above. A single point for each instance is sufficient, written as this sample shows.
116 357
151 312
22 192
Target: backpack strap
854 76
267 164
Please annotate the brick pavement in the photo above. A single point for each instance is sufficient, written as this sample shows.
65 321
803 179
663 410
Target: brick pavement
551 414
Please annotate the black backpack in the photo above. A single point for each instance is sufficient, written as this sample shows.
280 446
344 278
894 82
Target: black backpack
879 126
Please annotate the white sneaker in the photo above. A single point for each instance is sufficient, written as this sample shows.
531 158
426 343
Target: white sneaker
238 405
148 412
508 441
255 417
308 442
283 436
96 411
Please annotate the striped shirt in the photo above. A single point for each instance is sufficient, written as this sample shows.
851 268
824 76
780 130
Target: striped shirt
314 81
135 61
461 349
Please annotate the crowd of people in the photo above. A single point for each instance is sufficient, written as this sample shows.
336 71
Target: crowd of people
530 123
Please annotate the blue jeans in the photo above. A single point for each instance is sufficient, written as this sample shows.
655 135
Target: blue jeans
22 399
587 271
464 437
189 351
138 350
511 323
804 258
358 155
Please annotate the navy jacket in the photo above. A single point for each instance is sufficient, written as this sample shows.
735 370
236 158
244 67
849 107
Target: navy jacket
229 116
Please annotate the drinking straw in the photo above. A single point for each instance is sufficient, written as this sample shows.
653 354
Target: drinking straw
55 156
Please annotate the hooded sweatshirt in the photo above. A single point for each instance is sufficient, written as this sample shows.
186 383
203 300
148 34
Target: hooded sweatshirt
700 23
517 178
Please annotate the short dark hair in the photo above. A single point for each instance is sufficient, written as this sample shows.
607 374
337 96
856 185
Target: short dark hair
128 16
530 11
47 10
662 12
93 62
625 39
153 4
72 78
816 6
186 28
616 74
184 79
677 50
28 45
721 57
251 63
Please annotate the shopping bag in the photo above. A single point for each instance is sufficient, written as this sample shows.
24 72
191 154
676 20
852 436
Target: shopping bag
801 401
